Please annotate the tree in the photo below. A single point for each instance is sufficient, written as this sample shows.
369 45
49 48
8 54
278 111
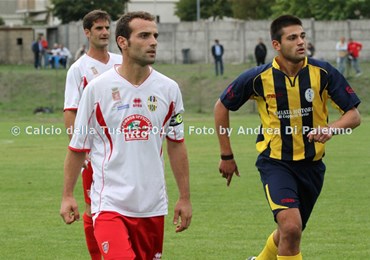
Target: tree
72 10
317 9
323 10
2 22
252 9
186 10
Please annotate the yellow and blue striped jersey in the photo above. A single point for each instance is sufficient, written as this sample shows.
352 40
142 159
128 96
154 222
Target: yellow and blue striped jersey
290 107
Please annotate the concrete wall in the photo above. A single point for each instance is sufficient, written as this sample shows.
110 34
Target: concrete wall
238 37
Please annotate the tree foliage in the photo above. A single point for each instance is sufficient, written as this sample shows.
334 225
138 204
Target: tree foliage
72 10
268 9
186 10
251 9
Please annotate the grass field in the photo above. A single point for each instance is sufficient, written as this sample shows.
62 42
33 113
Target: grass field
228 223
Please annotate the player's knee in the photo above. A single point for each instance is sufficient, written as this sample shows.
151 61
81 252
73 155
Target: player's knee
291 232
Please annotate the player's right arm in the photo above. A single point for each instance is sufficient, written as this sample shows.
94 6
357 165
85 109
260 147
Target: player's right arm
72 168
222 123
69 120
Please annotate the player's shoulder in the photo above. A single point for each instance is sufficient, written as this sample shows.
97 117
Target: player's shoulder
252 73
80 63
163 78
321 64
117 58
106 76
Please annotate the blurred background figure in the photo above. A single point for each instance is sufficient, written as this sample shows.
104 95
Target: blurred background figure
65 56
260 52
354 49
217 52
310 50
342 53
81 51
37 49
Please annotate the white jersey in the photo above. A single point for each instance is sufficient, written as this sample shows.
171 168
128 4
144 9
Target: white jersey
123 127
82 72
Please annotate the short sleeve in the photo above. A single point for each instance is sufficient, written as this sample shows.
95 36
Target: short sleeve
239 91
340 91
73 88
84 123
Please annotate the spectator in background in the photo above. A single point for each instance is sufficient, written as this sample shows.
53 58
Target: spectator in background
65 56
342 54
310 50
354 49
37 49
44 51
217 52
54 56
81 51
260 52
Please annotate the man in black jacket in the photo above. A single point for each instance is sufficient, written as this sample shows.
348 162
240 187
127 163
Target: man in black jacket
217 52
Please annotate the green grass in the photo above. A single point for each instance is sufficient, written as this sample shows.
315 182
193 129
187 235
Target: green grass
228 222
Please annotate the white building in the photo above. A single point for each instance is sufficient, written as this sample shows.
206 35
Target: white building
23 12
164 10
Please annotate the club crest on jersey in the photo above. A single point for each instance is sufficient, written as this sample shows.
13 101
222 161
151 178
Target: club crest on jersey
115 94
152 103
94 71
309 95
137 102
136 127
105 247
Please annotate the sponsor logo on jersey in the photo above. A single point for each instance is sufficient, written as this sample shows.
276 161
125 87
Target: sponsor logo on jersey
136 127
121 107
137 102
176 120
115 94
349 90
274 95
152 103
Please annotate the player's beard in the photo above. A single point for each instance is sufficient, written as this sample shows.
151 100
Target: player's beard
141 56
292 56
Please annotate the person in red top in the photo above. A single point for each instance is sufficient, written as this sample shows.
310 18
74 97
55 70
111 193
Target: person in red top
354 49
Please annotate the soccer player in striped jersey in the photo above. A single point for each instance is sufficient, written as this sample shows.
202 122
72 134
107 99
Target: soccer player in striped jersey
124 117
90 65
291 94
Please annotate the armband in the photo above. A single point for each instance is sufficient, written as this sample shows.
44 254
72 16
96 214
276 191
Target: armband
227 157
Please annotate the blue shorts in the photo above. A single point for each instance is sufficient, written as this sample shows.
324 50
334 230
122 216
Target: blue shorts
291 184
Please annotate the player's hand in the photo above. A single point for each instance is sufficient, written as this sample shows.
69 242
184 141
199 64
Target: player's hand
227 168
321 134
183 211
69 210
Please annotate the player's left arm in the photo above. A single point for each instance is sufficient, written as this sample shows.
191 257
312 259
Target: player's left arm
351 119
178 157
72 168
